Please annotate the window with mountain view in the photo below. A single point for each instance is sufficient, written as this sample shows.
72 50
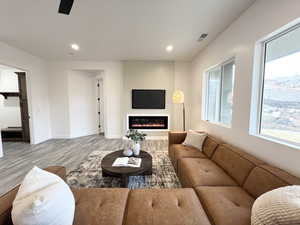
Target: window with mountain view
280 109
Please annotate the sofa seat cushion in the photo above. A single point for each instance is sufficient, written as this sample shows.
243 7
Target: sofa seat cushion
182 151
164 207
95 206
194 172
226 205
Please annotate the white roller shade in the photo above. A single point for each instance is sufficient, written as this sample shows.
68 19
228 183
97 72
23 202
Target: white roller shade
284 45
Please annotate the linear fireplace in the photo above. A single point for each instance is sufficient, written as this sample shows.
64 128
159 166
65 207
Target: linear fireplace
148 122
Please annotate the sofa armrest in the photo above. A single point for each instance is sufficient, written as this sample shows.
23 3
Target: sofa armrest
176 137
58 170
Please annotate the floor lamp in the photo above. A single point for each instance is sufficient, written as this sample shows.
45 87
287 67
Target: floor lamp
178 98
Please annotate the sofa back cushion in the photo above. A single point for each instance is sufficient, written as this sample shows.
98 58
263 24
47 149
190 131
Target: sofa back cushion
209 146
236 163
265 178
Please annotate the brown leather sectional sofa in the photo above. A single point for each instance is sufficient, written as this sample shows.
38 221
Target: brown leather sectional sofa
220 186
115 206
226 179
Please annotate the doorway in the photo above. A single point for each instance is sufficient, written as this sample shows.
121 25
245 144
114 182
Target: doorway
14 116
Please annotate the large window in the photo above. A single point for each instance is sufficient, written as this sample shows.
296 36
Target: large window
278 111
219 91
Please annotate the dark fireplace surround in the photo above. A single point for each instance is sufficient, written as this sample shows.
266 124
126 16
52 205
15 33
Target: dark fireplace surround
148 122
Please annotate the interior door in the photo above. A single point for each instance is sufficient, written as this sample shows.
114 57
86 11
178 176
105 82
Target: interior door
24 106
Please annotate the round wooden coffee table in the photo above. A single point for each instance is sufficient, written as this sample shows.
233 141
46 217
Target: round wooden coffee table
125 172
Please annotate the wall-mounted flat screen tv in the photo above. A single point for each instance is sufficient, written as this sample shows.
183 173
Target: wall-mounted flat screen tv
148 99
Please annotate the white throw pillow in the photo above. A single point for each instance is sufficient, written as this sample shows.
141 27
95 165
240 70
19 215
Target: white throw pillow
195 139
278 207
43 199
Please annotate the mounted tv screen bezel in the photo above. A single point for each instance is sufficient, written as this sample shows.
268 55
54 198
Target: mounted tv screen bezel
151 94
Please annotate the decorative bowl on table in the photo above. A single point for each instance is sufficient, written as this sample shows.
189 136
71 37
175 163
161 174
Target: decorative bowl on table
127 152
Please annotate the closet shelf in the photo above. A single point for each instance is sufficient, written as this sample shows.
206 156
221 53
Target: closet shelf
10 94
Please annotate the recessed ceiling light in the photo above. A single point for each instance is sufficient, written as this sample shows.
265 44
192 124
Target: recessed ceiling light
75 47
169 48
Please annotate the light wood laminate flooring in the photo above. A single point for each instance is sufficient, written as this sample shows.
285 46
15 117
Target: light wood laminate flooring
19 157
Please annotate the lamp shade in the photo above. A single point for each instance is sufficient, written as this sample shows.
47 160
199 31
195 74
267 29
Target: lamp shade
178 97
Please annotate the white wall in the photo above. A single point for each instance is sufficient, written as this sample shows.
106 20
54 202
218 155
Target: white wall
59 101
262 18
10 114
82 103
118 80
147 75
113 86
182 76
37 89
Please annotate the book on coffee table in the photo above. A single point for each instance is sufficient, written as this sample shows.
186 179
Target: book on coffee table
127 162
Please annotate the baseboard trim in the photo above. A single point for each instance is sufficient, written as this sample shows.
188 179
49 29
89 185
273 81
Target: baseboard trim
113 136
35 142
152 138
61 137
84 135
74 136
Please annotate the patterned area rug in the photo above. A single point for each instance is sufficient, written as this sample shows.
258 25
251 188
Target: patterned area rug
89 173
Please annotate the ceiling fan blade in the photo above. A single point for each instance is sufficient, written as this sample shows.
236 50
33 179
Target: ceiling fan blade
65 6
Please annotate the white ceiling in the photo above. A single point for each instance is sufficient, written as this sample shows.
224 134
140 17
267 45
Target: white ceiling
8 68
116 29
